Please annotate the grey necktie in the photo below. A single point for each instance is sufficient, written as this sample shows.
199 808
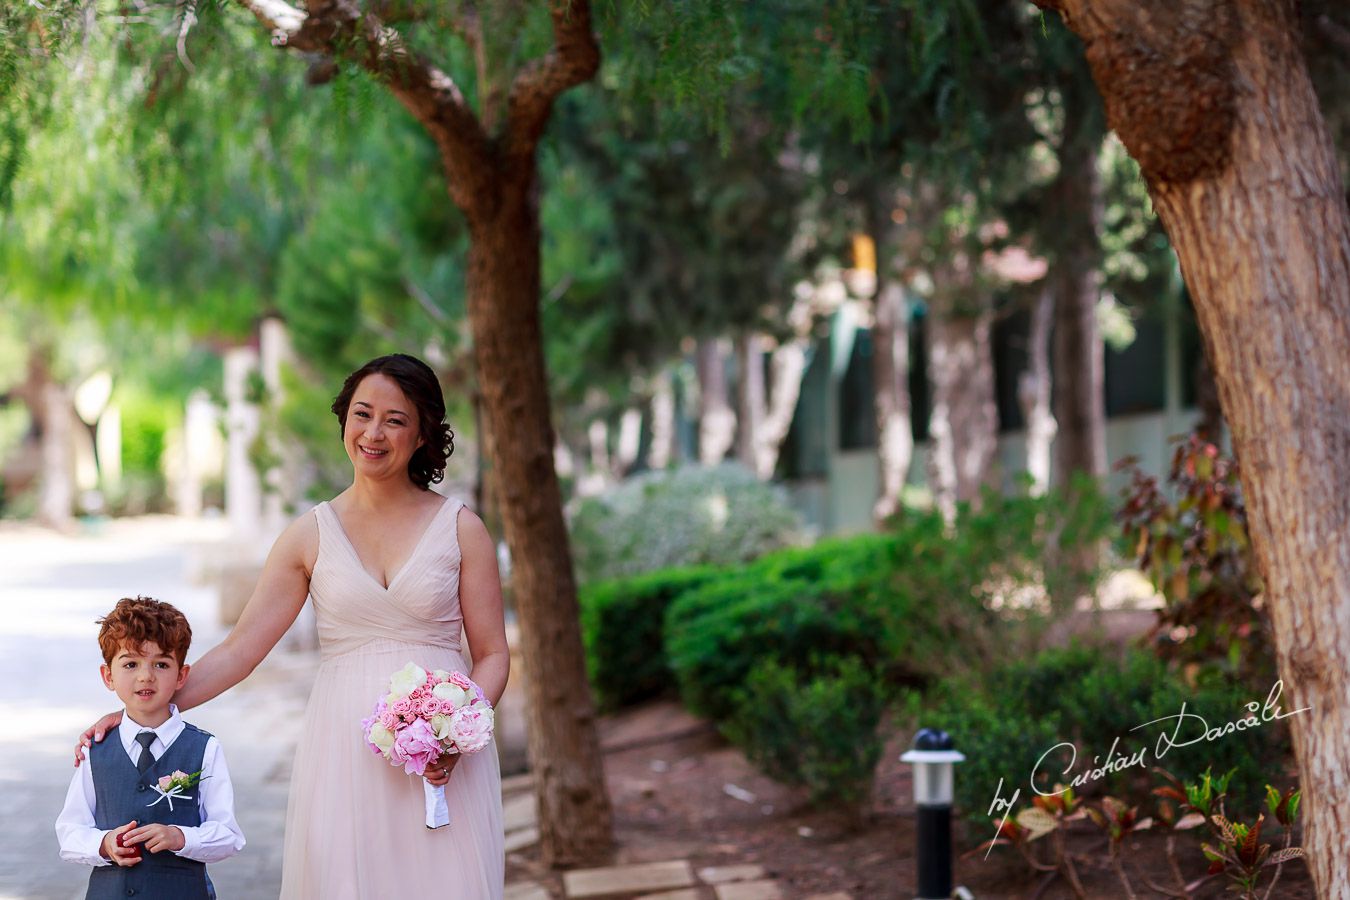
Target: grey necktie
145 739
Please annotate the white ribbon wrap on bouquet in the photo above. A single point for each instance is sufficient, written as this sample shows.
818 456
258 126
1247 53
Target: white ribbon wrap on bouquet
438 814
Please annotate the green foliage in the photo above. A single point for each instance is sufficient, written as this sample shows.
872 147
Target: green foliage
1190 538
817 731
690 516
621 623
1090 696
717 634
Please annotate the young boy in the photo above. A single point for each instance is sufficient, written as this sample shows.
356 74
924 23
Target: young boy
117 817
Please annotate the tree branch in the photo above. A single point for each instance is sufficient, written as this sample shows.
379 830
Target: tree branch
574 59
339 29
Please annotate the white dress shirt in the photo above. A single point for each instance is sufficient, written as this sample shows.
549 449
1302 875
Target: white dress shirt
217 838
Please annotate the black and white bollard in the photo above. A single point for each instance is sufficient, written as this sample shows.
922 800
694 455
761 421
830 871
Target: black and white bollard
933 758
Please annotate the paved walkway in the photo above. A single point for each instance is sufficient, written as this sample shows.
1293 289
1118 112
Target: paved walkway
53 589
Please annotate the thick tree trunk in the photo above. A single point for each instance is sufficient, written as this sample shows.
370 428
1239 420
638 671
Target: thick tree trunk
1080 363
716 419
1213 99
1033 393
574 816
891 403
964 421
629 442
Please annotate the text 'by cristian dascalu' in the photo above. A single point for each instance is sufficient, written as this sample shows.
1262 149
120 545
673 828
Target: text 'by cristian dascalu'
1188 728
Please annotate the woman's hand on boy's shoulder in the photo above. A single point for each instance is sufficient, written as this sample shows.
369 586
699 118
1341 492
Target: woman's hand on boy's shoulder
95 732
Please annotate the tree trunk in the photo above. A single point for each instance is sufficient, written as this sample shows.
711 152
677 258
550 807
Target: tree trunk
1033 392
716 420
54 413
662 449
750 400
1213 99
891 403
1080 362
503 304
629 442
787 368
964 422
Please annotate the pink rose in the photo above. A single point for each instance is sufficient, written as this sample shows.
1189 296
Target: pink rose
389 719
415 748
403 707
445 707
165 781
428 707
471 728
417 694
461 681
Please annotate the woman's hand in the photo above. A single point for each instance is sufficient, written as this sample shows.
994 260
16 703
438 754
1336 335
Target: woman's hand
96 733
438 773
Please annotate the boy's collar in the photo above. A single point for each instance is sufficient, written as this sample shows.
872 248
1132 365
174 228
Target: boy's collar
167 730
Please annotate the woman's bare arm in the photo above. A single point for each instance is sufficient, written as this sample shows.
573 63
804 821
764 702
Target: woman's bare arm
277 599
480 599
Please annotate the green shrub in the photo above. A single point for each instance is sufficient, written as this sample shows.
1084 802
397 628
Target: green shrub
621 622
717 634
691 516
820 732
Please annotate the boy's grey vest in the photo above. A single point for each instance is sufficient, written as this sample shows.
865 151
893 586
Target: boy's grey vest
123 794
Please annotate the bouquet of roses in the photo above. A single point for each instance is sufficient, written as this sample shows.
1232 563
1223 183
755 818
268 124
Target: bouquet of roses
424 715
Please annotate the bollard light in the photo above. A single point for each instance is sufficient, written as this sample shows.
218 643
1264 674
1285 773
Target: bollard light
933 757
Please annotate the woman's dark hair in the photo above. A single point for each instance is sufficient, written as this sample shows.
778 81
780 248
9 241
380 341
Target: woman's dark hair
419 385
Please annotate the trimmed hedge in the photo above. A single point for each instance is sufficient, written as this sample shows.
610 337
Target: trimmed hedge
621 624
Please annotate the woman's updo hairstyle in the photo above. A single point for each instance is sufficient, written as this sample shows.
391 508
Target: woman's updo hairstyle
418 383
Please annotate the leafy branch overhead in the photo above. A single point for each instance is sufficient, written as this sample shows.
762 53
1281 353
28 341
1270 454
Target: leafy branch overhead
473 156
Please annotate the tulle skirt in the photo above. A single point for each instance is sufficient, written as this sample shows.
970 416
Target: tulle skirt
355 825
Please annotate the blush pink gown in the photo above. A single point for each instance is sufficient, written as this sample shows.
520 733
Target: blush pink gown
355 825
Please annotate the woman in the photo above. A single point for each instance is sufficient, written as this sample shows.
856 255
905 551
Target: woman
394 570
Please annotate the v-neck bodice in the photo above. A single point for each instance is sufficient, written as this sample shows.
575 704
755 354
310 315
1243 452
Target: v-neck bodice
420 605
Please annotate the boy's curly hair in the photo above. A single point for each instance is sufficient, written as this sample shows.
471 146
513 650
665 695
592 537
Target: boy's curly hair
134 622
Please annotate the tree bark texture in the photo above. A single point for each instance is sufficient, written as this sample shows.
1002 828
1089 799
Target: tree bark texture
1213 99
491 170
574 811
964 421
1080 362
891 402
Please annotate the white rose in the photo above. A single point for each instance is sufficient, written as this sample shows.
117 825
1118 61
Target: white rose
455 694
441 675
471 729
441 725
381 737
407 679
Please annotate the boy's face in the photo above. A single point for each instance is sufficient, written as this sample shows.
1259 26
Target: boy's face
145 679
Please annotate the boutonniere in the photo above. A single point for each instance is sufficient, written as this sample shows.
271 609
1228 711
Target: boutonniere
174 787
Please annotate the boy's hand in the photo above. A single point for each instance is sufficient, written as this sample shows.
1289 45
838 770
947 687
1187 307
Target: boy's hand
157 837
118 855
95 732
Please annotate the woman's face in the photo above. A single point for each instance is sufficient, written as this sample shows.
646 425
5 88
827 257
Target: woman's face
382 430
